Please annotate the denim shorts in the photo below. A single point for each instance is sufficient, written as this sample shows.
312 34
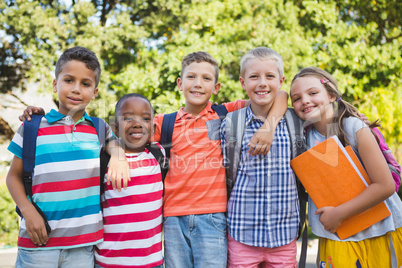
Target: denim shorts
82 257
195 241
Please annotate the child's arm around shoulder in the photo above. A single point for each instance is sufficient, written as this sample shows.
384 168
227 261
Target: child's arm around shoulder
380 189
261 141
118 166
35 225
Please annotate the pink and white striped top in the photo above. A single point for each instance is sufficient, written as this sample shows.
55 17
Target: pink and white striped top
132 218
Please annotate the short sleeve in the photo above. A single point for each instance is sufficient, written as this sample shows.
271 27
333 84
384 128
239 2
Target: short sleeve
351 126
15 146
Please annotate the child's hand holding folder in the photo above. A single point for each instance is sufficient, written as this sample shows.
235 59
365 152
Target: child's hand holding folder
329 218
333 175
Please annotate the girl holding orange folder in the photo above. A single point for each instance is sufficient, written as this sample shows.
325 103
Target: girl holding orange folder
317 100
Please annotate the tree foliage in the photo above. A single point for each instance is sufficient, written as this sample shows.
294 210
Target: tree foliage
141 45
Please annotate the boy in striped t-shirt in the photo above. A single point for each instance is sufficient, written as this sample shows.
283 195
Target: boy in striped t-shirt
132 218
66 174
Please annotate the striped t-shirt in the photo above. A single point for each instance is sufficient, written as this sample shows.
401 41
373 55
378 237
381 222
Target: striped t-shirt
66 182
132 218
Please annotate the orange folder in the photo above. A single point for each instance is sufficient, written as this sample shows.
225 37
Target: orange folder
333 175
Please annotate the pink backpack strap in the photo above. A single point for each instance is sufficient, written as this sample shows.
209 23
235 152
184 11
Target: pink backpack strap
393 165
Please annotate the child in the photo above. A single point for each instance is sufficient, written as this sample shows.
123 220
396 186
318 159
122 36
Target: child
66 177
195 186
316 99
263 209
132 218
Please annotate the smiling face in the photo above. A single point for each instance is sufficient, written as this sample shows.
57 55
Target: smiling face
311 100
75 86
198 83
261 80
135 124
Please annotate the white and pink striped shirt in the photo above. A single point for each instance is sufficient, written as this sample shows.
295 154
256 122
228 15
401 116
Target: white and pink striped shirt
132 218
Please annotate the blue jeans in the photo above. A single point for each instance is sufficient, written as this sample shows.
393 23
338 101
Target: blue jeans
195 241
82 257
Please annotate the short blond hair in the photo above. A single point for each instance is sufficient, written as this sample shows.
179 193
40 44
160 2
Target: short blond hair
262 53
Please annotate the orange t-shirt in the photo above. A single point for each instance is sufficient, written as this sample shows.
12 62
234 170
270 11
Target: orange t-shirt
196 181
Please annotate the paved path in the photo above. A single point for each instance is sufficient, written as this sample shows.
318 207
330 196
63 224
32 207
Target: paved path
311 253
7 257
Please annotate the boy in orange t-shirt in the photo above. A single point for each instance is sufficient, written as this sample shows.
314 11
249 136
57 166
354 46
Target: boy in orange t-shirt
195 198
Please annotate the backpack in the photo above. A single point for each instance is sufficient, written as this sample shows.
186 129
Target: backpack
167 133
393 165
235 125
28 155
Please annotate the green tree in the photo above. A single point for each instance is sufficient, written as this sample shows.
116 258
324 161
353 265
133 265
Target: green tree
141 45
349 42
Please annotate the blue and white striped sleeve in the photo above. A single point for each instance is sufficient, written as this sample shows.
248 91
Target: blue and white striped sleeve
15 146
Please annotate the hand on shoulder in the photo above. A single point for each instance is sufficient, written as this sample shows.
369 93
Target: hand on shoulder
30 110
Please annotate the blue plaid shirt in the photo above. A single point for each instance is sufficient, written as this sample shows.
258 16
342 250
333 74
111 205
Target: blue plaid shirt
263 209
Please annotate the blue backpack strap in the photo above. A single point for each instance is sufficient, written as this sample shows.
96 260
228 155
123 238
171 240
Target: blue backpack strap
28 160
220 110
29 145
167 132
104 157
100 127
166 139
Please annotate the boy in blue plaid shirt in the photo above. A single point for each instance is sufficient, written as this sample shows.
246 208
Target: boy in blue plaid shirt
263 209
